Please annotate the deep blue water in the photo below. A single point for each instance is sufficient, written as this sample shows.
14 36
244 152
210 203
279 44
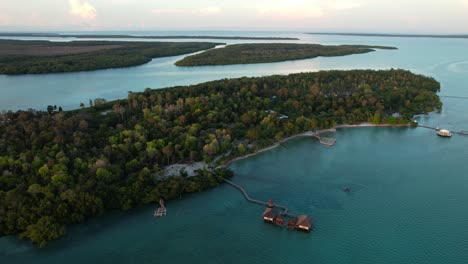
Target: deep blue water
409 188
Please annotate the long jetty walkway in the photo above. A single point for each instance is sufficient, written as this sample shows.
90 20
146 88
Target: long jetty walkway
248 198
323 140
451 96
463 133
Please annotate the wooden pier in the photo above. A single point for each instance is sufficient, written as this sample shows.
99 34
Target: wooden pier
270 215
462 133
325 140
248 198
162 210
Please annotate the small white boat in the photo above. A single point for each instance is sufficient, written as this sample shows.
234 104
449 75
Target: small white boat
444 133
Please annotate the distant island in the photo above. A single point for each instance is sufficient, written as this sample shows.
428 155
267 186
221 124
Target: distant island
104 36
60 168
271 52
36 57
462 36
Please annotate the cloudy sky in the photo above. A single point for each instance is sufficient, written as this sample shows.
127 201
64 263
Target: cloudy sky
392 16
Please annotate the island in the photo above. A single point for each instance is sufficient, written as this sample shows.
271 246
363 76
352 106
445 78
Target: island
109 36
271 52
63 167
35 57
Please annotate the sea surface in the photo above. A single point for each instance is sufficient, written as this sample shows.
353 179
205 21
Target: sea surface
409 188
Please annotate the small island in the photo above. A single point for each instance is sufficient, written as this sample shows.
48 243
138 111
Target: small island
271 52
36 57
63 167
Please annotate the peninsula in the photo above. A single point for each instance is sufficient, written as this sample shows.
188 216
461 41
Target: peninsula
63 167
271 52
35 57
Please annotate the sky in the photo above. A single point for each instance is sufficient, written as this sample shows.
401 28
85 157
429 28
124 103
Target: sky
377 16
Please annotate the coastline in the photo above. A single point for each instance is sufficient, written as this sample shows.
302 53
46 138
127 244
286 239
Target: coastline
307 134
190 168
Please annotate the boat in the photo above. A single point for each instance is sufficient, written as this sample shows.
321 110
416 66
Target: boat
444 133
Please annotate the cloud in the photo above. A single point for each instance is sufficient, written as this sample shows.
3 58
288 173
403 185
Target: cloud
4 20
210 10
82 9
345 4
120 2
170 11
206 11
289 13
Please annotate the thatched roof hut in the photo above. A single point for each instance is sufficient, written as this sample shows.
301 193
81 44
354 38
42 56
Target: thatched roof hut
279 220
269 215
304 222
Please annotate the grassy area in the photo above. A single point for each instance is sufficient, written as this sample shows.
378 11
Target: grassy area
271 52
34 57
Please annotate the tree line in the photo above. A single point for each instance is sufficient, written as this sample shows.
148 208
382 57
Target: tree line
114 54
271 52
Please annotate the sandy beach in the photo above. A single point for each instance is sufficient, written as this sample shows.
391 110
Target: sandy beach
191 168
313 133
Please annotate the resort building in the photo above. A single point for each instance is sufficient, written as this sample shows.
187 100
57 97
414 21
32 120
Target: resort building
269 215
304 223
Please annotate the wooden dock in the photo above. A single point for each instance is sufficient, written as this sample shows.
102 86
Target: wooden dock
248 198
160 212
325 140
462 133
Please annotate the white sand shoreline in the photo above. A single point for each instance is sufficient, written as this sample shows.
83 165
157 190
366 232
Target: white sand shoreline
190 168
311 133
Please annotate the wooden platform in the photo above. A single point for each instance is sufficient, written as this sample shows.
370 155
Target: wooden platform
160 212
325 140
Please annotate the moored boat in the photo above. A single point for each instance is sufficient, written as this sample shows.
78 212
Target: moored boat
444 133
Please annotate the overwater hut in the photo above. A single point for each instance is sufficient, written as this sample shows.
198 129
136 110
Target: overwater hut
291 223
269 215
279 220
304 223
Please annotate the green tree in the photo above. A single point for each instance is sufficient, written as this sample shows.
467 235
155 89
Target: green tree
45 229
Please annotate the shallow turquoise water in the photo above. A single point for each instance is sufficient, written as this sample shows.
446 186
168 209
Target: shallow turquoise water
406 205
408 187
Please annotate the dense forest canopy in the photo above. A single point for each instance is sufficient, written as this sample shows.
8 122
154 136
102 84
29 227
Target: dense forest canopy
58 168
271 52
34 57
